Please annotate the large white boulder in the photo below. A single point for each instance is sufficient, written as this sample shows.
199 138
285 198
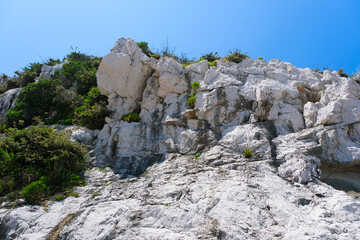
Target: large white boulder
123 72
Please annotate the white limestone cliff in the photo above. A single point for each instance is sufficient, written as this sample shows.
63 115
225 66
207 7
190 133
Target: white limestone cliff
294 120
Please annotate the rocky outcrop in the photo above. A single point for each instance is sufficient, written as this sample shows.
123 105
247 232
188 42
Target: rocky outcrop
293 120
274 96
217 196
7 101
48 71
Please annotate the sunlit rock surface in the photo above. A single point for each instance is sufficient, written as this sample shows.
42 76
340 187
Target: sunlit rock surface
7 100
293 120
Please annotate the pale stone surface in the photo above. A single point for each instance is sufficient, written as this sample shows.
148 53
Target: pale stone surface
123 72
8 100
293 120
287 113
183 198
197 71
48 71
310 114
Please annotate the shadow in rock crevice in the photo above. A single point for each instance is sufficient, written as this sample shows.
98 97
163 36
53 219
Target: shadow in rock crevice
134 166
344 178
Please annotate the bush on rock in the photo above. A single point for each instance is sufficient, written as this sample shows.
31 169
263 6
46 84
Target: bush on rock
94 110
40 162
47 100
131 117
236 56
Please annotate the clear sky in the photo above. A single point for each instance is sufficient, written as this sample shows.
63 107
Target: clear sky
307 33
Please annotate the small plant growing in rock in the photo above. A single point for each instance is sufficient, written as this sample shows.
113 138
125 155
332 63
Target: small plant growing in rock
167 204
156 56
195 86
59 198
260 58
145 48
71 193
248 153
192 97
191 101
131 117
236 56
95 195
150 185
212 64
197 155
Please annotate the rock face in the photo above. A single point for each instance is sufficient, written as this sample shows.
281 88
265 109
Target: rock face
48 71
293 120
7 100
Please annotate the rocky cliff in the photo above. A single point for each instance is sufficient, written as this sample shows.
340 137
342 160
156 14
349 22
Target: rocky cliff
293 120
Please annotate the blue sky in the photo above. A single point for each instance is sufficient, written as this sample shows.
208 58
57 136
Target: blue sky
307 33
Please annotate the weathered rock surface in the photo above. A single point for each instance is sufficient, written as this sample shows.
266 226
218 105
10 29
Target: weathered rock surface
217 196
7 100
48 71
294 120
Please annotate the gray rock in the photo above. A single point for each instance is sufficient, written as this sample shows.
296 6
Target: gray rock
292 120
8 100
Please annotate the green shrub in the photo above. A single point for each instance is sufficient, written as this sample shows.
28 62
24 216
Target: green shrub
59 198
212 64
23 78
94 110
131 117
93 117
46 99
248 153
192 97
195 85
4 127
77 55
236 56
29 73
80 73
95 195
67 121
197 155
260 58
145 48
191 101
34 192
210 57
40 155
156 56
71 193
